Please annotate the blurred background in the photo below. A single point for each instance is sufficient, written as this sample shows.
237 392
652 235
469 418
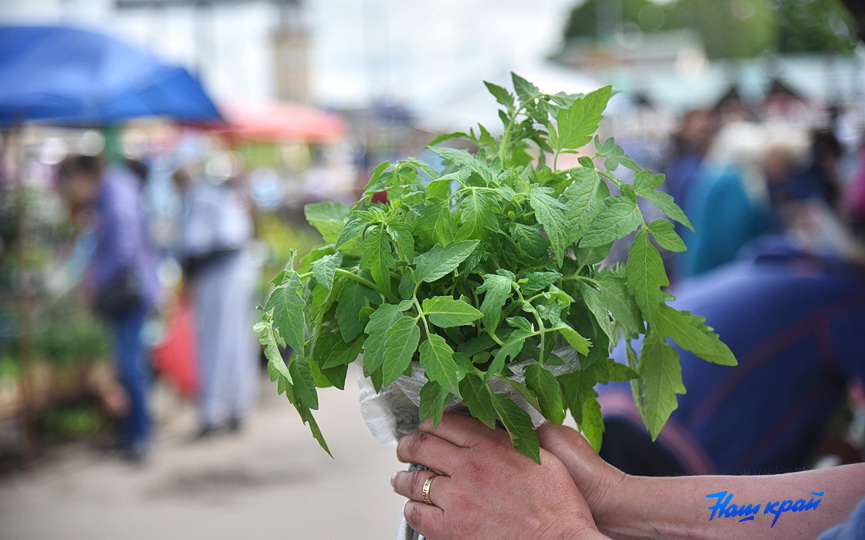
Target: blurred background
181 139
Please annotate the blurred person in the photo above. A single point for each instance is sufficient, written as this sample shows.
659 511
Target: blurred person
122 285
819 179
215 244
685 153
728 203
793 319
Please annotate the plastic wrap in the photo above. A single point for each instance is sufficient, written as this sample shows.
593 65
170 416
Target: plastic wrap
395 410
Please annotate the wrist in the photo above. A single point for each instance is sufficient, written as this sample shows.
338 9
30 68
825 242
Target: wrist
609 499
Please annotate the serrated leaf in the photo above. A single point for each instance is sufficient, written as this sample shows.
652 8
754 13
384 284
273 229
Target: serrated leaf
447 312
378 257
664 234
645 274
324 269
609 149
401 235
519 426
379 322
437 221
477 215
536 282
502 96
620 218
691 333
552 214
524 89
587 197
438 359
399 348
530 240
478 397
660 382
646 181
440 261
592 422
497 290
328 218
351 299
509 351
353 227
433 399
576 124
340 353
620 302
288 307
595 302
574 339
303 382
667 205
546 388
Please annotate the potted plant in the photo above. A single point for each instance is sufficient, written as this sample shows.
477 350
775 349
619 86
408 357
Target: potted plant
483 285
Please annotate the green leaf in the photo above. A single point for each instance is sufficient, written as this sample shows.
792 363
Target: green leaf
617 220
621 303
530 240
536 282
509 351
328 217
615 153
546 388
353 227
478 397
587 197
692 334
552 214
433 399
595 302
665 235
477 215
524 89
401 235
304 384
288 306
661 381
667 205
438 359
380 321
501 94
378 257
519 426
446 312
645 182
440 261
340 353
351 299
399 348
592 424
576 124
324 269
574 339
645 274
437 221
497 290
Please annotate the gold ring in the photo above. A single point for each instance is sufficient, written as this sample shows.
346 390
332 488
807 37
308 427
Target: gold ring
425 491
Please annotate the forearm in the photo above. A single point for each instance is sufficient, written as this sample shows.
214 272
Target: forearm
789 506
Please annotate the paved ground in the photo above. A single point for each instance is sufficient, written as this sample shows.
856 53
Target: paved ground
271 482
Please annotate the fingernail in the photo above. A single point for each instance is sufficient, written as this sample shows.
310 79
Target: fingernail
393 480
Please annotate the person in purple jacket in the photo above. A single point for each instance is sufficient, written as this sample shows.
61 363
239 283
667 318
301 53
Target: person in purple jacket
794 320
122 282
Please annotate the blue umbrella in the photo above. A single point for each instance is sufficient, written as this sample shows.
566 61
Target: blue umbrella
72 76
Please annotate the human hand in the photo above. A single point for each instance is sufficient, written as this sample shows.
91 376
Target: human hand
484 488
598 481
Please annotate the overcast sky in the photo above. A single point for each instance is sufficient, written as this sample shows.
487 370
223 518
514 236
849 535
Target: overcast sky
420 52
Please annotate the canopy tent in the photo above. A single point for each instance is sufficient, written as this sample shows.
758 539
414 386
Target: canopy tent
72 76
280 121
